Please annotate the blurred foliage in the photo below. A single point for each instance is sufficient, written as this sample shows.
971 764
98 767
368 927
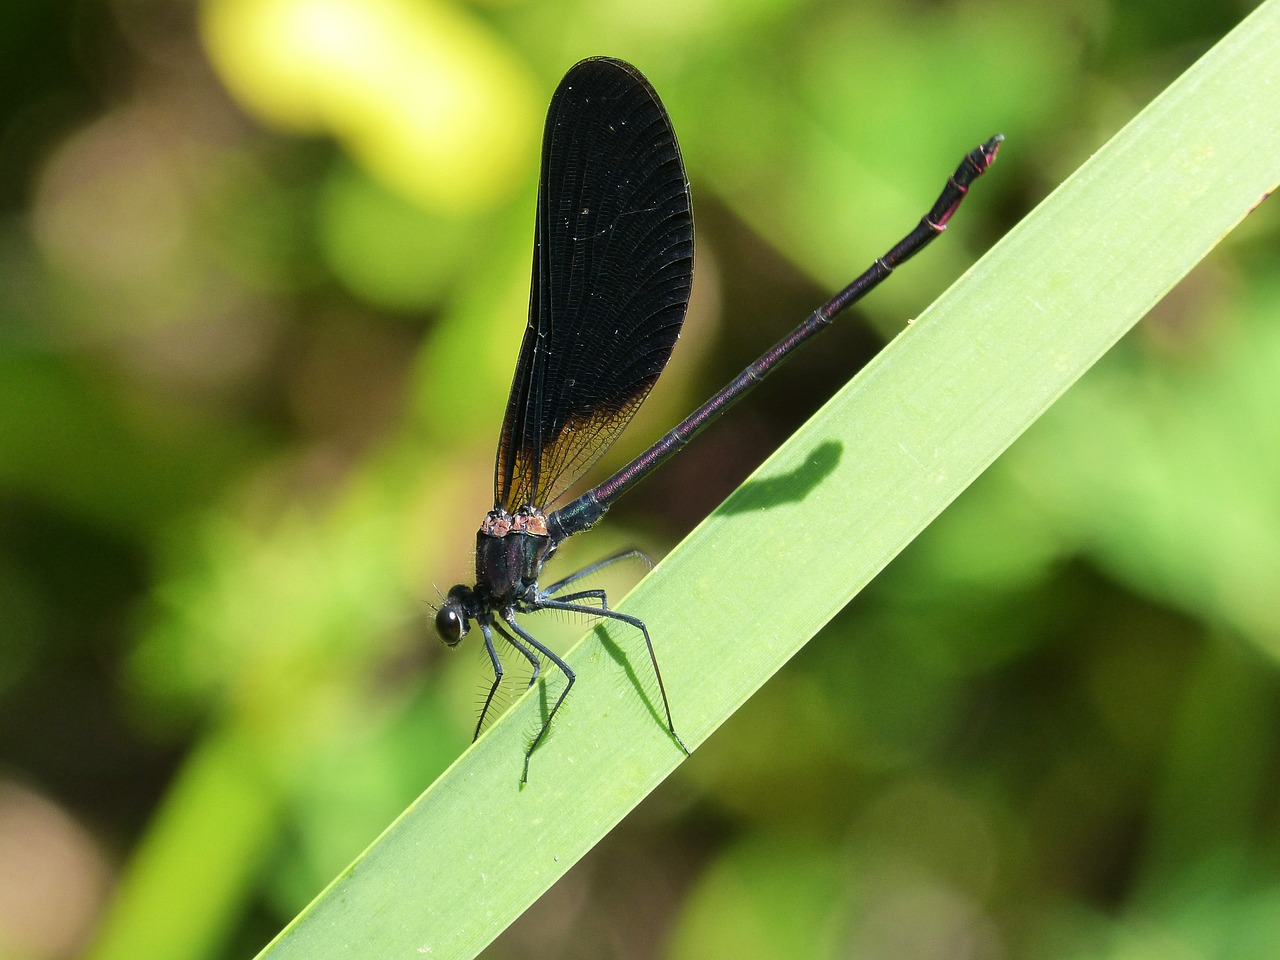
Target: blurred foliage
263 268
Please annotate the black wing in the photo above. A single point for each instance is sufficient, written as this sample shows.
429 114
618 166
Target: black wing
612 270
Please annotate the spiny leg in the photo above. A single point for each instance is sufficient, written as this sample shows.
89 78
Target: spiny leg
524 652
595 567
597 595
570 677
497 667
548 604
497 677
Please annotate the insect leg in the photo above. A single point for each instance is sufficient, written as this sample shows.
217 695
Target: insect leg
570 676
597 566
523 650
497 677
549 604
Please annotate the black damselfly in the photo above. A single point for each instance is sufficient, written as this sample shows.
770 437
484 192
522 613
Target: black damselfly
612 271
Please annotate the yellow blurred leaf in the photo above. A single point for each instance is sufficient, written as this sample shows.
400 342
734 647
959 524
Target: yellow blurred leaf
422 96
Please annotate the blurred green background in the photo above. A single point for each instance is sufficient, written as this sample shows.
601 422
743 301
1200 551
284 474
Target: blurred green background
263 275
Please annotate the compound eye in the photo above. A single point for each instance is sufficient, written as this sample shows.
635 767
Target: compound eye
451 624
